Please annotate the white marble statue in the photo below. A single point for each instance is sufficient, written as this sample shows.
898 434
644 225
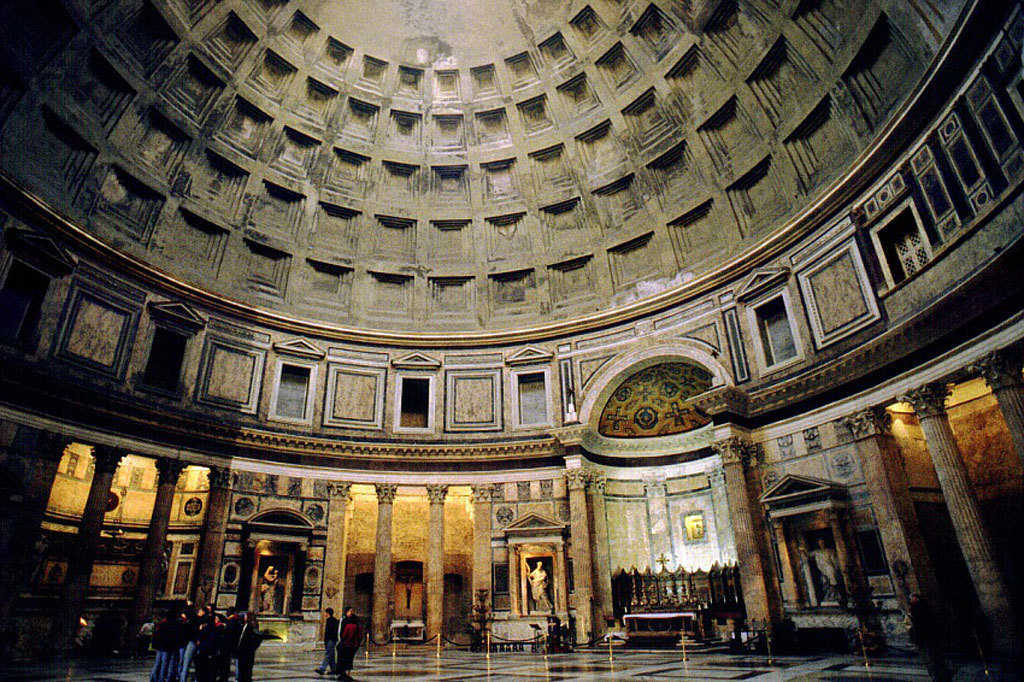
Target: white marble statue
827 563
539 587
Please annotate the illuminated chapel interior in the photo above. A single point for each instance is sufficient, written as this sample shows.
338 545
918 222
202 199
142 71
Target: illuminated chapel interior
678 321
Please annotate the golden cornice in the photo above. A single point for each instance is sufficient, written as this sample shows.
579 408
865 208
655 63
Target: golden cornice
887 145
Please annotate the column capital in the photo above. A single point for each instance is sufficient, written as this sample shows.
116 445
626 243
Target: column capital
654 486
1000 369
481 493
386 492
219 477
735 450
436 493
928 400
576 479
716 477
107 458
169 470
597 482
873 421
50 445
339 490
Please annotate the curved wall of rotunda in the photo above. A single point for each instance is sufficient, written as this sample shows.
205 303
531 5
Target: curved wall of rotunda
408 299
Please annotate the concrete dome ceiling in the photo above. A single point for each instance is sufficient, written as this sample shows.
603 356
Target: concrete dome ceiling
429 165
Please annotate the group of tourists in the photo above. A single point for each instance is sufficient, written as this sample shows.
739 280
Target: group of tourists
341 641
207 639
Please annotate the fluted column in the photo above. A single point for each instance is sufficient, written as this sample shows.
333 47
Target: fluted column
897 519
1002 372
929 402
482 541
435 560
723 524
747 524
383 575
168 471
211 549
42 450
579 527
604 608
80 561
336 558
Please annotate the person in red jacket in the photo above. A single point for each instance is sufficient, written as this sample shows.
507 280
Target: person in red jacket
350 636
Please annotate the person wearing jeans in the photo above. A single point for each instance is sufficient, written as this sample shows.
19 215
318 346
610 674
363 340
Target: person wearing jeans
330 644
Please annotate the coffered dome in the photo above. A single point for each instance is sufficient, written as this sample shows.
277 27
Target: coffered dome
452 164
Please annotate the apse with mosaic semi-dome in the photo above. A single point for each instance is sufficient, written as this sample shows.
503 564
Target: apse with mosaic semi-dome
652 402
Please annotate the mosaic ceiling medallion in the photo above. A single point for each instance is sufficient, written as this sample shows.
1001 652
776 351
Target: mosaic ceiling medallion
651 402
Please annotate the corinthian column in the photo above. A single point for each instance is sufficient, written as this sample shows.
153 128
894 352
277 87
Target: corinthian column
42 450
482 541
1002 372
336 558
603 604
211 550
168 471
748 526
81 559
579 528
383 576
890 498
929 402
435 560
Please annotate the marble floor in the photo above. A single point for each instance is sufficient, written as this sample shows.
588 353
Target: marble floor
462 665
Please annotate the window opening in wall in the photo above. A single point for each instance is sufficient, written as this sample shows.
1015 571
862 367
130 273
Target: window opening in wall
415 403
533 408
291 392
903 246
776 334
166 354
21 300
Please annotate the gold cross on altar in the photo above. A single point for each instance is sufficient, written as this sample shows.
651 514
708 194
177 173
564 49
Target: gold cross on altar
662 560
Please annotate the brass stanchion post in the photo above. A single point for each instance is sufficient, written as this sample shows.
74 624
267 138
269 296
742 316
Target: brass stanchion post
768 639
367 646
488 644
863 647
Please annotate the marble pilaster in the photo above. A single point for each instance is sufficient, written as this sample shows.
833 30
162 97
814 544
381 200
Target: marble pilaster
579 528
658 521
168 471
336 556
383 573
211 549
482 540
889 492
748 527
723 524
81 559
604 610
1002 372
435 560
43 450
929 403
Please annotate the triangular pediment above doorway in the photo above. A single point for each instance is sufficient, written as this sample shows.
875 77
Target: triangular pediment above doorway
528 356
534 524
416 361
760 281
41 250
178 314
793 489
301 348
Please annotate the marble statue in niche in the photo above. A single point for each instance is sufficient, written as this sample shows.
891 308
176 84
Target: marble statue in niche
270 591
822 571
540 585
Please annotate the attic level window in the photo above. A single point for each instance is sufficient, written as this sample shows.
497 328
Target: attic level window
775 332
21 300
166 355
415 403
533 408
903 246
292 389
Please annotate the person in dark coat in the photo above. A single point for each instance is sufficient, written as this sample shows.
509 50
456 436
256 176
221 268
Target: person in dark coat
350 636
208 642
249 640
228 637
330 644
166 641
